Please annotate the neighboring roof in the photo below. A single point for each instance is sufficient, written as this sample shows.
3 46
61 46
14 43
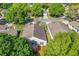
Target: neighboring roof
48 20
74 24
2 22
10 31
34 30
3 11
56 27
0 15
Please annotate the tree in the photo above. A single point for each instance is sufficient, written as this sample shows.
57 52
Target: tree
17 13
63 44
37 10
45 5
0 5
14 46
56 9
6 5
74 47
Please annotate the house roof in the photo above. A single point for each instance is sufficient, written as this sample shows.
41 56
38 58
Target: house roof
3 11
10 31
40 19
34 30
56 27
3 22
74 24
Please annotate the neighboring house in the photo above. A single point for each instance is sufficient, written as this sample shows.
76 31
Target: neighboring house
56 27
35 33
74 25
10 31
3 22
3 11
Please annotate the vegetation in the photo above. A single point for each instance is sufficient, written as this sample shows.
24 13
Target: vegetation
17 13
64 44
56 9
6 5
37 10
19 27
14 46
45 5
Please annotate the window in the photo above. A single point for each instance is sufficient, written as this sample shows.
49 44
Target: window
41 43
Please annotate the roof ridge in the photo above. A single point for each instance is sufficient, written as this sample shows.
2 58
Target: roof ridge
33 29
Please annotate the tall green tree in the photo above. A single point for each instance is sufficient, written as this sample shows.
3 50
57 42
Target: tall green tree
45 5
56 9
37 10
17 13
63 44
14 46
6 5
74 46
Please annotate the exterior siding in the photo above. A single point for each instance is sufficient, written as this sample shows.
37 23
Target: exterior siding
72 28
38 41
65 22
50 33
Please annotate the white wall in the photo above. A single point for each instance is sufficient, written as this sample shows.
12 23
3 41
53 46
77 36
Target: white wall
72 28
49 32
65 22
39 41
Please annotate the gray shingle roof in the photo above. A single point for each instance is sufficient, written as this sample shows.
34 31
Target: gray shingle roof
35 30
56 27
2 22
39 32
10 31
74 24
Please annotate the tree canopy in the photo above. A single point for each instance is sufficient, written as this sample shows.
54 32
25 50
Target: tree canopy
14 46
56 9
17 13
45 5
37 10
64 44
6 5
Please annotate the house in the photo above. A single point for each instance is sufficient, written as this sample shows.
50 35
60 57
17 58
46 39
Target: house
2 12
35 33
74 25
3 22
10 31
56 27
